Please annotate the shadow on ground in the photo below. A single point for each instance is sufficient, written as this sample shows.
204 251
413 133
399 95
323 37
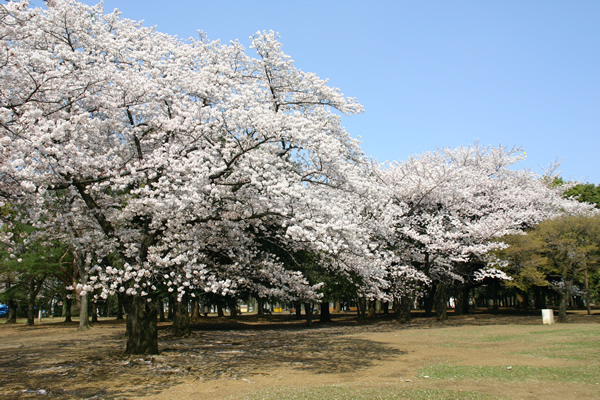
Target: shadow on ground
59 362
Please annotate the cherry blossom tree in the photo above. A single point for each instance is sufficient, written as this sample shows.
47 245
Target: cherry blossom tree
448 206
164 160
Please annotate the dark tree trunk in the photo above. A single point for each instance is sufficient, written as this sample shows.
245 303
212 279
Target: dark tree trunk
298 307
362 307
233 308
587 293
462 300
371 309
220 312
107 305
94 312
308 310
142 332
428 300
441 301
540 298
12 311
161 310
402 310
385 308
181 319
31 302
120 306
325 315
260 307
171 308
67 306
495 285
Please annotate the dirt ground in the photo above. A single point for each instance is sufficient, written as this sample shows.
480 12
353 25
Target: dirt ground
222 359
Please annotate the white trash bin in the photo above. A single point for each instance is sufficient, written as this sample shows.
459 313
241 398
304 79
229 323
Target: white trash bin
547 316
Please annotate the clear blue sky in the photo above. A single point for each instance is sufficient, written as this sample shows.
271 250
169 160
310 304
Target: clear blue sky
433 73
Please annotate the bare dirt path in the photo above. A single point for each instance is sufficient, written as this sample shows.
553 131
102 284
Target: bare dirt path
231 360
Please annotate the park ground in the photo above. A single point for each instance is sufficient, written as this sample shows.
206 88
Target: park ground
477 356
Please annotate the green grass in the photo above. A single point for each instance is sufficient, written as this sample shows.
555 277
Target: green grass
576 351
578 346
588 331
586 375
343 393
499 338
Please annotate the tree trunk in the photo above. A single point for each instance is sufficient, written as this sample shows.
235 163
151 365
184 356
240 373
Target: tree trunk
298 307
371 309
161 310
107 304
31 302
525 296
462 292
308 310
337 308
325 315
385 308
587 293
195 318
562 311
540 298
120 306
220 312
142 332
260 307
84 321
170 309
12 311
402 310
362 307
233 308
181 319
428 300
441 301
495 285
67 308
94 312
565 295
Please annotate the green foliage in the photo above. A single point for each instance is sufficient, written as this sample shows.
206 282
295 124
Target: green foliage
587 192
525 261
557 249
27 256
569 243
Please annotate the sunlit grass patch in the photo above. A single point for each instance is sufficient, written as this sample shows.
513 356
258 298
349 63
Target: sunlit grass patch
591 330
578 351
587 375
579 344
346 393
500 338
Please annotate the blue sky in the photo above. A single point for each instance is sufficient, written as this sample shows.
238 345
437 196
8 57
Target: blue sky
433 73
